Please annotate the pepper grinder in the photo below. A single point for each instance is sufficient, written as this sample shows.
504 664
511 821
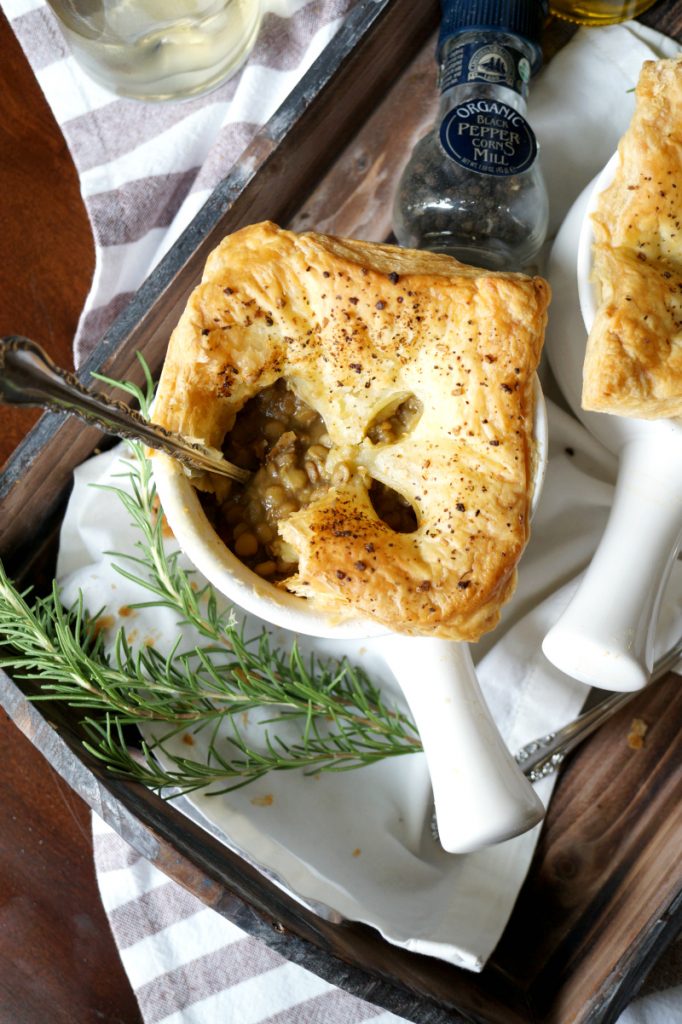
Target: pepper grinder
473 187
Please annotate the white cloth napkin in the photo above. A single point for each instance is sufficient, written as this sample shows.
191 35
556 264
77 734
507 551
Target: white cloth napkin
145 170
452 907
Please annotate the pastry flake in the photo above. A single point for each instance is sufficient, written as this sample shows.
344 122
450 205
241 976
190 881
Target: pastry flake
422 371
633 361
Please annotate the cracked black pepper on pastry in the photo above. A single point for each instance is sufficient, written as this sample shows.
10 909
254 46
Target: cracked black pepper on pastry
633 361
405 380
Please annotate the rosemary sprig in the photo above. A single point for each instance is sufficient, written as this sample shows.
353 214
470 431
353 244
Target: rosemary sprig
261 709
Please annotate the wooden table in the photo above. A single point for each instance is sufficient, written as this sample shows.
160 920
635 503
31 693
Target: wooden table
58 961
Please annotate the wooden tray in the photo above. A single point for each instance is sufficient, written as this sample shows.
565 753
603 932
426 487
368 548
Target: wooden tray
602 899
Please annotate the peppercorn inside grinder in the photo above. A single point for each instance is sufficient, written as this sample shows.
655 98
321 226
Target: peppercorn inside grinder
481 797
606 635
472 187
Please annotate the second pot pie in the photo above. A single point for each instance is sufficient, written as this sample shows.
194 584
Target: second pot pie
633 362
388 396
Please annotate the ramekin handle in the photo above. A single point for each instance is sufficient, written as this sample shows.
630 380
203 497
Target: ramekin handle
606 635
481 796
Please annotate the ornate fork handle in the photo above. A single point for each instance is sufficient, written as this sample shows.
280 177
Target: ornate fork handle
543 756
29 377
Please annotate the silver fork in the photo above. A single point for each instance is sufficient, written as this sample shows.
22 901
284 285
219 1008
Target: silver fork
29 377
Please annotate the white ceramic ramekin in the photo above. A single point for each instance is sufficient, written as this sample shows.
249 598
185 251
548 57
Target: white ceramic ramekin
480 794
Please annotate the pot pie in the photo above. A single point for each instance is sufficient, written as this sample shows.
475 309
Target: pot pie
383 398
633 361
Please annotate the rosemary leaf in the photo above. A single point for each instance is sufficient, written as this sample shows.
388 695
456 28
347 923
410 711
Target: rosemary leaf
310 714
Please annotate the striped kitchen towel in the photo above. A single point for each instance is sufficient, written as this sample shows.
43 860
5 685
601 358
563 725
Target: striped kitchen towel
235 978
146 169
189 965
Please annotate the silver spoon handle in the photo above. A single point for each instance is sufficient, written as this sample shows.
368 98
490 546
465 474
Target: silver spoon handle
543 756
29 377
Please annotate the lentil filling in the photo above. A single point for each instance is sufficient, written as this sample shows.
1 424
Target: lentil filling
393 423
285 444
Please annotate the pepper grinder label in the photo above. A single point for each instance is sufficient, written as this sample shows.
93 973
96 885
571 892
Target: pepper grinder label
483 134
490 63
489 137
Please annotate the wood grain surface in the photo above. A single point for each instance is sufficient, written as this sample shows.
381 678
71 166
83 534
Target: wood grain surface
57 959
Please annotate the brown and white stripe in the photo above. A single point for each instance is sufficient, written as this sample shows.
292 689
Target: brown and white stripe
146 169
189 965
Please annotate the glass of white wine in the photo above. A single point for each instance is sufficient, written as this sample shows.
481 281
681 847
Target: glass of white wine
159 49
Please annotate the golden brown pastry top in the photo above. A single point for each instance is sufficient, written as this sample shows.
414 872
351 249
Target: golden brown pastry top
355 328
633 362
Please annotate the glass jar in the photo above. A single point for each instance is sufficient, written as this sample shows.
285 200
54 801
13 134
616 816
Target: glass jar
599 12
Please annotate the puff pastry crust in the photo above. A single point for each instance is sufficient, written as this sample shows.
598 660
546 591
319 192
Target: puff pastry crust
633 361
353 327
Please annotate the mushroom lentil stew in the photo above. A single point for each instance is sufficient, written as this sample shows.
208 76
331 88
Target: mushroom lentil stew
285 444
